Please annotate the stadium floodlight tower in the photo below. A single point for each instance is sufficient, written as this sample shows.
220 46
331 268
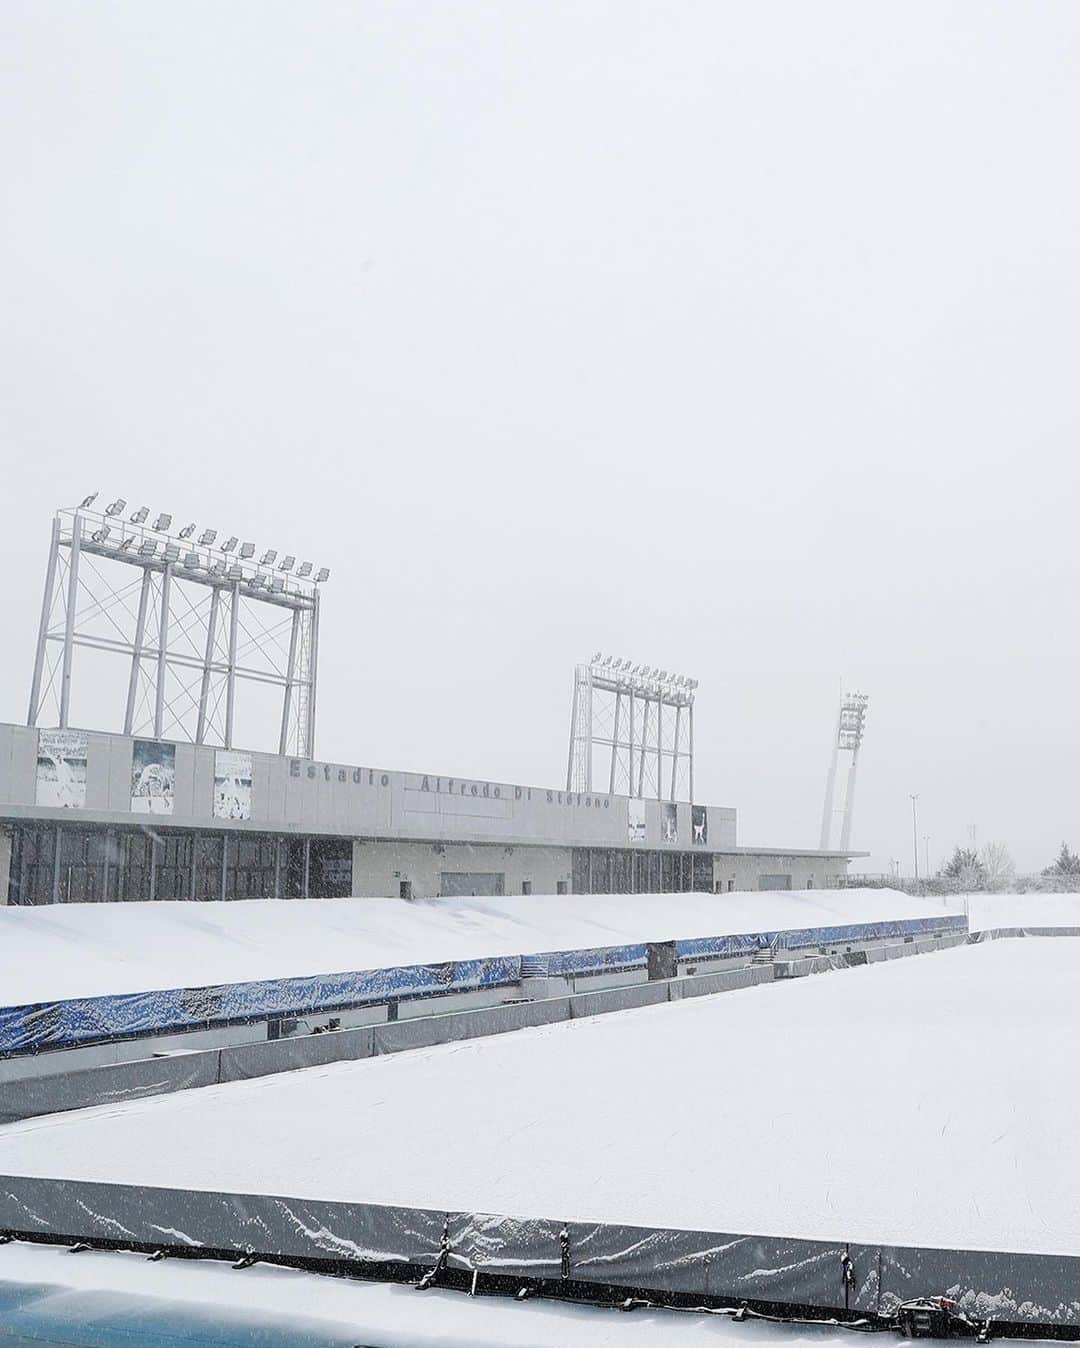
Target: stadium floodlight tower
191 618
641 720
848 739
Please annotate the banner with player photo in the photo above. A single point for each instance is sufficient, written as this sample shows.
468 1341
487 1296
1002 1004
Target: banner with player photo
61 769
635 820
669 822
153 777
699 825
232 784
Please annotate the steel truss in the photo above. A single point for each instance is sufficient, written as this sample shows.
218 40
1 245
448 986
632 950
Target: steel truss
631 731
192 623
848 739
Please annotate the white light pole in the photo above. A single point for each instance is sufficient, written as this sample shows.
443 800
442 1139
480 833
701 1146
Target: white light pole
915 835
848 737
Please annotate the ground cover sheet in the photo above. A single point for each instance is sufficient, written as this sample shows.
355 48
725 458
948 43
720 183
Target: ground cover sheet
64 951
922 1102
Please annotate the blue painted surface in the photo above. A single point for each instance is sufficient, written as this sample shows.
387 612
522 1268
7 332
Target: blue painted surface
712 947
39 1314
26 1029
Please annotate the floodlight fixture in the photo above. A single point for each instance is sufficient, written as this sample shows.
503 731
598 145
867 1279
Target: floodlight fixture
269 557
276 584
116 506
88 501
187 530
100 535
322 574
256 581
304 569
247 550
229 544
206 538
852 720
193 562
286 563
125 543
172 552
236 572
140 515
596 657
218 569
162 523
148 547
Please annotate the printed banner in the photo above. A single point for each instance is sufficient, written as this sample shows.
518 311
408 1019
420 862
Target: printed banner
699 825
232 784
669 822
61 769
153 777
635 820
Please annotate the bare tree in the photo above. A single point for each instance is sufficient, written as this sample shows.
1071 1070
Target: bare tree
998 867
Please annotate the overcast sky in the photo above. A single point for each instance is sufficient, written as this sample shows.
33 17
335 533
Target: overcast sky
738 338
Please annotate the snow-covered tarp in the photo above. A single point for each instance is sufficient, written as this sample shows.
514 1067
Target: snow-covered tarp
61 951
1024 912
45 1292
911 1115
78 973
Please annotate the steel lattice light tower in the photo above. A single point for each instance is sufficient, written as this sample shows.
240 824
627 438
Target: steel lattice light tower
193 619
848 738
642 721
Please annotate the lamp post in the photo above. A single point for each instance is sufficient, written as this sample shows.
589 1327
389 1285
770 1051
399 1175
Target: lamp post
926 843
915 835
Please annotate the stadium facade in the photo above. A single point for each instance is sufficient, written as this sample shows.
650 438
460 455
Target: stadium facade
91 816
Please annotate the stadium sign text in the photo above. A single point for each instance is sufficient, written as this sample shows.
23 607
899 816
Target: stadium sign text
453 786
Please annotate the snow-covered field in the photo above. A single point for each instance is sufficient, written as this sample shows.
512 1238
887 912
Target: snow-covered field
119 1292
87 950
928 1101
989 911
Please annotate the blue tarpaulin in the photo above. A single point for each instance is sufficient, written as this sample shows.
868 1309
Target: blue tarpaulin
65 1024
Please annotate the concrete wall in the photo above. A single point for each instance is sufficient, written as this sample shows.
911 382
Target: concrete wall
379 868
291 795
5 863
810 872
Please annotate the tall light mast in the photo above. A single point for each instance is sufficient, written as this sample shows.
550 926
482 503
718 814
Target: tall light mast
641 722
189 620
848 739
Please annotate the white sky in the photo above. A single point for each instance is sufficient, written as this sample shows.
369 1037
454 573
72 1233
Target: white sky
737 338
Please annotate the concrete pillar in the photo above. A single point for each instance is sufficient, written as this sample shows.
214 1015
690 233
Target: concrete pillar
6 841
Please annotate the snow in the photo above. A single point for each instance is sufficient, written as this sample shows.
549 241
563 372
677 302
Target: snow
924 1101
990 911
62 951
333 1311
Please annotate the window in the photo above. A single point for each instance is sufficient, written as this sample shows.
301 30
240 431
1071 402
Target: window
458 884
561 887
405 889
331 868
526 886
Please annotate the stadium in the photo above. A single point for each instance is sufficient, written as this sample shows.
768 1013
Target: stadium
228 822
525 1050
